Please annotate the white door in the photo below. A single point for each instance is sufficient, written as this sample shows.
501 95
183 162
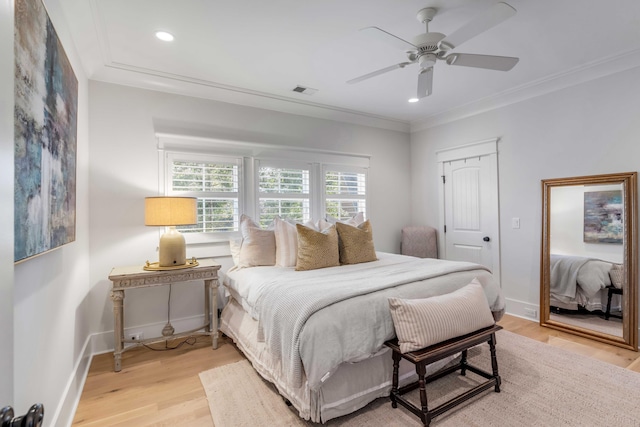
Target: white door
470 205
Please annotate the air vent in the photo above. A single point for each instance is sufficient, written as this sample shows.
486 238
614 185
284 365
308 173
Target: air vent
305 90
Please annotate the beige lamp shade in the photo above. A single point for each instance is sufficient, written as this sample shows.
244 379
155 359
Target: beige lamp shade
164 211
171 211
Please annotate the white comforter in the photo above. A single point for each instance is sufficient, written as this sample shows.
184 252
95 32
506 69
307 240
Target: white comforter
315 320
576 278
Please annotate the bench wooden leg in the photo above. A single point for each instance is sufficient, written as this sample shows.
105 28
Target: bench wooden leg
424 416
463 363
394 384
423 357
494 361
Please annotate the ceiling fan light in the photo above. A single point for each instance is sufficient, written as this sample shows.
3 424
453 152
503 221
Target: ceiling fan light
164 36
428 60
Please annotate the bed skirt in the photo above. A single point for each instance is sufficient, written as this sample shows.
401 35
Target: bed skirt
351 387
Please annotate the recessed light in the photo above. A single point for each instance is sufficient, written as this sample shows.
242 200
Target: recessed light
164 36
413 100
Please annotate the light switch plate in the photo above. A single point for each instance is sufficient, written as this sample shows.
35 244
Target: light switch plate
515 222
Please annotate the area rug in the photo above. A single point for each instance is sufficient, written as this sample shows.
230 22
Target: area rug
541 386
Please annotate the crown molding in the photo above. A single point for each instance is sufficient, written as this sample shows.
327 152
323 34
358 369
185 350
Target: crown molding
575 76
129 75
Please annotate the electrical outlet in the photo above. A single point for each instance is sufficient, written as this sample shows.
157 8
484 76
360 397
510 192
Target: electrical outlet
135 336
531 312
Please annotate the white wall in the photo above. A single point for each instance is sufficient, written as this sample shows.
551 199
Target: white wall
51 311
566 227
6 208
124 170
590 128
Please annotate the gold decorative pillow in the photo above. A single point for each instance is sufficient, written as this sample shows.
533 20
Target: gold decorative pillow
317 249
356 243
422 322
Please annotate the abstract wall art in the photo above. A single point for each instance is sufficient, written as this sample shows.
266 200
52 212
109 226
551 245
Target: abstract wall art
46 108
603 217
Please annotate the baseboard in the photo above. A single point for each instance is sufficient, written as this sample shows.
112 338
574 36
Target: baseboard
66 410
102 342
523 309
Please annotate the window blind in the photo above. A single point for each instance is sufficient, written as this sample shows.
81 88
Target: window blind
217 188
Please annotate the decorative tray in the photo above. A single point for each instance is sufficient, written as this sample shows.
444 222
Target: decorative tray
155 266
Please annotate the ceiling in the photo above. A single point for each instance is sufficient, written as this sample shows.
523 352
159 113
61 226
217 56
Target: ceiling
254 52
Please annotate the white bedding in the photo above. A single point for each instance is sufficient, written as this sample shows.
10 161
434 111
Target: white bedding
578 280
313 321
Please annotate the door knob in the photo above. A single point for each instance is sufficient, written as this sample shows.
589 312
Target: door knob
486 238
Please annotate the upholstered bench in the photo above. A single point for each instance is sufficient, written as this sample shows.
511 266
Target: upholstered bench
432 329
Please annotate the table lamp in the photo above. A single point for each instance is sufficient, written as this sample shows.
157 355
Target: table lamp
171 211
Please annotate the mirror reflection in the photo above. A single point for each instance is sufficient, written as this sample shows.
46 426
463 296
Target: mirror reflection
588 274
586 259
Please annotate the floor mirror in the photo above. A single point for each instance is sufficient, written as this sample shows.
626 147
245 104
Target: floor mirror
588 273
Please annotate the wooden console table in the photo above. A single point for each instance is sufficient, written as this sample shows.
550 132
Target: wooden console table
136 277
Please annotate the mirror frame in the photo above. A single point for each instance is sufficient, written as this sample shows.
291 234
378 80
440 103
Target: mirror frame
629 338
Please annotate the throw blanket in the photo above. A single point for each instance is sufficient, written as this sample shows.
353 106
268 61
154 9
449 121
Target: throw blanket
564 274
285 306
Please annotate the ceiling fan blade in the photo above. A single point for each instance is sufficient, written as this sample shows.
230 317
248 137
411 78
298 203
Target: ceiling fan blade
388 38
378 72
490 62
425 82
481 23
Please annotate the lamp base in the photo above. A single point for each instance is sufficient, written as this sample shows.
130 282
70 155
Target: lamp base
173 248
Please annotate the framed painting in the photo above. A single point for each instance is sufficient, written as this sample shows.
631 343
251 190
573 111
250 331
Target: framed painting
603 217
46 108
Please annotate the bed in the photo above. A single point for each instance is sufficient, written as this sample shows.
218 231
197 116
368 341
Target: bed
318 335
581 283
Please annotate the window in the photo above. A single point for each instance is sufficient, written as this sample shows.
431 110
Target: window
345 192
216 184
283 192
231 178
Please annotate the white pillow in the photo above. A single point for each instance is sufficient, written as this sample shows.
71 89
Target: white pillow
322 225
355 220
234 247
287 241
420 323
616 274
258 245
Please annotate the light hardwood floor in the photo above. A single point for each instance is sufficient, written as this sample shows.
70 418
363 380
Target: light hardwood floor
163 388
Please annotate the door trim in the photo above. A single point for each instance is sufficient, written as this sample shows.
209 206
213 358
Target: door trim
487 147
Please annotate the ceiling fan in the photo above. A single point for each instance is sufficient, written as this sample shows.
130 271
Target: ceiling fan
425 49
